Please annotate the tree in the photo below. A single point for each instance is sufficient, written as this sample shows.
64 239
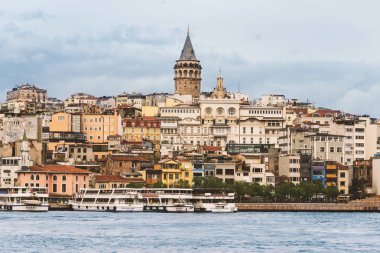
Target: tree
213 182
135 185
241 189
159 184
183 184
332 193
283 191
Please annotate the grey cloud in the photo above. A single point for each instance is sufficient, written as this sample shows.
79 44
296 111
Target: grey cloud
35 15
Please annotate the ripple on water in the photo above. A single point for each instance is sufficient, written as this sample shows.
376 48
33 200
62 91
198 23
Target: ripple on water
162 232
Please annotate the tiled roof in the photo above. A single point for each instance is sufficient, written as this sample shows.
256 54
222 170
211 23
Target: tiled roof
128 158
57 169
211 148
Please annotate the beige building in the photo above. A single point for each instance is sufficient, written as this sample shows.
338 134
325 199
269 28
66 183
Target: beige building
137 130
290 168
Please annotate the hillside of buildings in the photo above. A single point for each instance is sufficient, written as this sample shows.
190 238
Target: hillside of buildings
184 139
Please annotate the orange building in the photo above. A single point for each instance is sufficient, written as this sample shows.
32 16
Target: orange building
98 127
62 181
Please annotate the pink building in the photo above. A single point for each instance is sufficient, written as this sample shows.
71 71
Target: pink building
62 181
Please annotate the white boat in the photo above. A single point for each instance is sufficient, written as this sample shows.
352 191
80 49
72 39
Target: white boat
117 200
174 200
215 203
24 199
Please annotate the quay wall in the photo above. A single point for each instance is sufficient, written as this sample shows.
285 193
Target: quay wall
308 207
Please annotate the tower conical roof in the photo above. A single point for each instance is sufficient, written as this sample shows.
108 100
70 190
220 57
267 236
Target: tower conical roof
188 53
24 138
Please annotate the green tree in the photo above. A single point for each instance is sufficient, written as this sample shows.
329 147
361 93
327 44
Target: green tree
241 189
283 191
213 182
183 184
135 185
332 193
159 184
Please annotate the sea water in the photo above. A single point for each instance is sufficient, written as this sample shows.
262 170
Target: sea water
59 231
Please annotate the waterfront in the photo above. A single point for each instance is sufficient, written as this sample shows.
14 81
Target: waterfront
189 232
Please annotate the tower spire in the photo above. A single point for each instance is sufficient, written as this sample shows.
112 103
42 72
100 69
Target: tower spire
188 29
188 53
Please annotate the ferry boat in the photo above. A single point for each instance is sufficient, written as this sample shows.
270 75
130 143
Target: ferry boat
174 200
214 201
118 200
24 199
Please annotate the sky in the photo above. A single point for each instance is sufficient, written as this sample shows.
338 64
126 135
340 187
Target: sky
326 52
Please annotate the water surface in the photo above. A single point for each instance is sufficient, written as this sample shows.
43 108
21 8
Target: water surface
202 232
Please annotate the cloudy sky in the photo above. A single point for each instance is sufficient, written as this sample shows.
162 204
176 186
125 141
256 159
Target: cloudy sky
327 52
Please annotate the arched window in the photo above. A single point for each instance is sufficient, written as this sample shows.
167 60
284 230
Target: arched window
220 111
63 178
54 177
231 111
31 177
37 177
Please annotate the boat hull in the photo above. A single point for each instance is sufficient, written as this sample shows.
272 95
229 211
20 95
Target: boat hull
25 208
108 208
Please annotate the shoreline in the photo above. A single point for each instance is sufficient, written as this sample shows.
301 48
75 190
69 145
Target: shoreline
307 207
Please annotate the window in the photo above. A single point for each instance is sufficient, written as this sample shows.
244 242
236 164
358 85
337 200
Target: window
219 171
231 111
257 170
37 177
322 149
54 187
61 117
63 178
243 130
342 175
55 178
63 187
342 183
31 177
339 150
332 149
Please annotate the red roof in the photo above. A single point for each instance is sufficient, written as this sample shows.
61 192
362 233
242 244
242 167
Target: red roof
56 168
128 158
138 122
117 178
324 113
211 148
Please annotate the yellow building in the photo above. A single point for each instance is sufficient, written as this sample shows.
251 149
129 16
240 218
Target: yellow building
343 180
61 122
137 130
65 129
150 111
98 127
173 171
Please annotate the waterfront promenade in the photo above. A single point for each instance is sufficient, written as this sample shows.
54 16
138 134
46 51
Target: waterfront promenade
364 205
